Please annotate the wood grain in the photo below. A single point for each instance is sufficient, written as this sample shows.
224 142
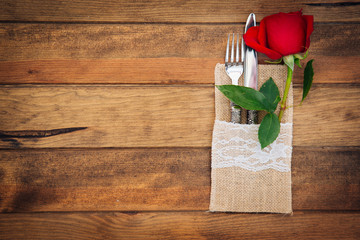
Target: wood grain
25 41
179 225
156 116
158 179
103 53
167 71
129 116
143 143
170 11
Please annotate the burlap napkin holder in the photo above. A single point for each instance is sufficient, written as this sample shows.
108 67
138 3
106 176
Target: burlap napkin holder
244 177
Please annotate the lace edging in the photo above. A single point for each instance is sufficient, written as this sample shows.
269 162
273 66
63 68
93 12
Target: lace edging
236 145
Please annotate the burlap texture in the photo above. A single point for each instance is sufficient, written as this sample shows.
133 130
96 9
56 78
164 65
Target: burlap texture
238 189
278 74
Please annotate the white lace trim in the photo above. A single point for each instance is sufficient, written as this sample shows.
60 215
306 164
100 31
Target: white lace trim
236 145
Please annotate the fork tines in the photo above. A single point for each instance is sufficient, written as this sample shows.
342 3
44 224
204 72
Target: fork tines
232 50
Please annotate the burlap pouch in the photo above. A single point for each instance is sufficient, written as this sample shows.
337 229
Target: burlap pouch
244 177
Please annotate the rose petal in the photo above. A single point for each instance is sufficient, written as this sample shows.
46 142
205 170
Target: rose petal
309 19
251 39
286 33
281 34
262 33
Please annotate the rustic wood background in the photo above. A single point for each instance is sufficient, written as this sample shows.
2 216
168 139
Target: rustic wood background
106 115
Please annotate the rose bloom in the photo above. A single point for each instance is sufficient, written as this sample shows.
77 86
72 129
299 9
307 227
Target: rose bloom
281 34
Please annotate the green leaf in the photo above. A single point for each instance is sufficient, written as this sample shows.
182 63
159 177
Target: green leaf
274 62
302 57
297 62
271 92
245 97
289 61
308 79
269 129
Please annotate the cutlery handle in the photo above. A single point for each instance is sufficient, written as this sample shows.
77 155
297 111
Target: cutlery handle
235 113
252 117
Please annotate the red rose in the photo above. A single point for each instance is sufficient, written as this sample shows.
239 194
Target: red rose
281 34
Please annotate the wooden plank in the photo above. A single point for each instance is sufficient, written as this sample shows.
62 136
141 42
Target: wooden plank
107 179
158 179
327 177
168 53
155 116
179 225
153 71
170 11
113 71
321 116
25 41
130 116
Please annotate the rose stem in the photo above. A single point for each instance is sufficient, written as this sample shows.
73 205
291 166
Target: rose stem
286 92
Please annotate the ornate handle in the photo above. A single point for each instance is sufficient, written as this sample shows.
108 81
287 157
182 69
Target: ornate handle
252 117
235 113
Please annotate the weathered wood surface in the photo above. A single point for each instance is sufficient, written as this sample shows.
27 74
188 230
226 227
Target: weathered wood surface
165 71
106 135
103 53
171 11
138 179
180 225
26 41
155 116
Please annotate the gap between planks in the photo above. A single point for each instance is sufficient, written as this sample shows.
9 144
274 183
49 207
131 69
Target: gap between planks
173 11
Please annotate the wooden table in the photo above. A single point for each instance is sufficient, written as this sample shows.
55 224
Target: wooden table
107 109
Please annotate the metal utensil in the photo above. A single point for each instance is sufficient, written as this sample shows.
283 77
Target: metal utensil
234 69
250 60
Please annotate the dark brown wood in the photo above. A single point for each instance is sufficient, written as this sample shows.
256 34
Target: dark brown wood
157 116
179 225
171 11
158 179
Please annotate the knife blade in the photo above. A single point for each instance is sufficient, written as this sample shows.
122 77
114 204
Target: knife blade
250 61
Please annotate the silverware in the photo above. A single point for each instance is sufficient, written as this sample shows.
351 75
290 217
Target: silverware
234 69
250 60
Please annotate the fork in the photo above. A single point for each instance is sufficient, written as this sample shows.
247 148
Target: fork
234 70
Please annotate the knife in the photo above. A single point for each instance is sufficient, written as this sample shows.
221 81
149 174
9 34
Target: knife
250 61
